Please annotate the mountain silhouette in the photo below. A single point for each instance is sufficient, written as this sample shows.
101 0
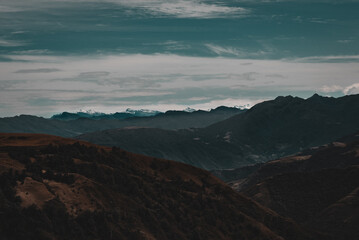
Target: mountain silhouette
70 125
267 131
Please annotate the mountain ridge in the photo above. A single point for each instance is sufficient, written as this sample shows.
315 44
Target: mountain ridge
99 115
71 128
129 113
267 131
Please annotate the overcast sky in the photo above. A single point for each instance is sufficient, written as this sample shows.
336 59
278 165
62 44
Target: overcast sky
109 55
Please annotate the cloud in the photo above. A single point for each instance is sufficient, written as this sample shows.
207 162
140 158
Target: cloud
223 50
157 8
39 70
348 90
6 84
194 9
93 74
248 76
337 58
175 45
7 9
236 52
352 89
32 52
331 89
320 20
275 75
345 41
11 43
230 102
301 1
159 81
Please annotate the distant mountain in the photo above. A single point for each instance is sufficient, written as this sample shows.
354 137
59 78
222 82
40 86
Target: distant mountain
80 125
129 113
56 188
267 131
318 188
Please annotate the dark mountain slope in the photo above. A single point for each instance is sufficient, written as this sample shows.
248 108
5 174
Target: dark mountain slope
286 123
341 219
180 145
237 174
56 188
267 131
318 188
70 128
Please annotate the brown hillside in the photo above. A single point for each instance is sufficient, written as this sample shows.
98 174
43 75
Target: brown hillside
318 189
56 188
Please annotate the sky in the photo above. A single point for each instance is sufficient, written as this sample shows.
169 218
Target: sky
110 55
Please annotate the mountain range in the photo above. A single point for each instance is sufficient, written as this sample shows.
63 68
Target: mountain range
269 130
291 175
129 113
76 124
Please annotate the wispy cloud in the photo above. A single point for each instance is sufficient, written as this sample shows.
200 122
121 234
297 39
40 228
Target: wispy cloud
219 50
236 52
345 41
93 74
331 89
7 84
352 89
32 52
175 45
338 58
275 75
8 9
11 43
194 9
320 20
39 70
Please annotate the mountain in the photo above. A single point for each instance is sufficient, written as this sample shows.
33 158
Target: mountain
57 188
267 131
73 127
318 188
66 116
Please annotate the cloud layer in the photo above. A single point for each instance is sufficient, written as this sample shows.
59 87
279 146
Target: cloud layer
107 55
46 84
174 8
